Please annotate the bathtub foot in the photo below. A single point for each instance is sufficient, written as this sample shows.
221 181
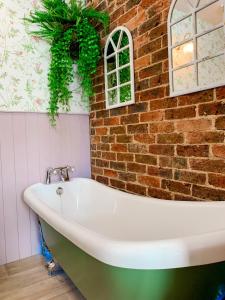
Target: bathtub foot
54 268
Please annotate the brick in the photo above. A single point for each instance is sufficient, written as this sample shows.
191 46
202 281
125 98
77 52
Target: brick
160 55
191 177
161 172
102 114
131 3
125 157
112 121
142 62
149 24
179 163
149 181
96 170
214 108
155 69
207 193
158 31
195 98
137 168
118 130
152 116
205 137
101 131
109 155
162 127
110 173
119 147
163 103
180 197
175 186
220 123
149 48
220 93
193 125
128 15
217 180
121 166
117 13
159 193
124 176
103 147
136 189
208 165
161 149
195 150
102 163
155 93
118 111
140 128
117 184
137 107
145 138
159 80
130 119
165 162
180 113
137 148
146 159
124 139
170 138
219 151
102 179
108 139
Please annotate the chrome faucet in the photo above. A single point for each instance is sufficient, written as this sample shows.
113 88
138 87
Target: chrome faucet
62 172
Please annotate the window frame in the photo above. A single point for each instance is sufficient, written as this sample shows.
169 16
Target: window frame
116 52
194 38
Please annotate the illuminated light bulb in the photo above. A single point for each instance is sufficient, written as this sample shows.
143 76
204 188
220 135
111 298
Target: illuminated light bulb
188 48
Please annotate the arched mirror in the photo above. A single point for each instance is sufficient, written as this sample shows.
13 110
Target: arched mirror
119 69
196 45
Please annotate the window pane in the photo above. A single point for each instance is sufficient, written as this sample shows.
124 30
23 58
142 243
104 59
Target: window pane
211 71
183 54
124 40
182 30
124 75
211 43
204 2
184 79
124 57
116 37
125 93
209 17
112 97
112 80
110 49
111 63
181 9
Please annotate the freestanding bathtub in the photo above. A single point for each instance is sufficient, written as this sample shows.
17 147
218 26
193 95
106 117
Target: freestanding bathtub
118 246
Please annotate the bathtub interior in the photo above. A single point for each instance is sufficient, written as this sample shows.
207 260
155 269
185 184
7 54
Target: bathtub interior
122 216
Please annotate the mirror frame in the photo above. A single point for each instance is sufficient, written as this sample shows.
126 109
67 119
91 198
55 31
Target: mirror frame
195 62
116 51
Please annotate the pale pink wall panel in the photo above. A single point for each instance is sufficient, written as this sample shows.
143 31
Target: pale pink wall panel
21 180
28 146
2 225
32 135
9 187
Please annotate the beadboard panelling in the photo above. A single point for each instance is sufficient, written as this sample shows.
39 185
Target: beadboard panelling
28 146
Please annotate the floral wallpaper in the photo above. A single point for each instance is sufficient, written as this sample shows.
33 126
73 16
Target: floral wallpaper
24 62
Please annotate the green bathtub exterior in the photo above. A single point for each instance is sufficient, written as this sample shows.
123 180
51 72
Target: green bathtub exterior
99 281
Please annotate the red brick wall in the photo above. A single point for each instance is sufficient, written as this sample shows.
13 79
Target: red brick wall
171 148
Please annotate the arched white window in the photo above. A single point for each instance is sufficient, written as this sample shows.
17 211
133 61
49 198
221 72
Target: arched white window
196 45
119 68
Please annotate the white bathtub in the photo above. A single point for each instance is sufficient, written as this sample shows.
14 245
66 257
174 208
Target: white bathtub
130 231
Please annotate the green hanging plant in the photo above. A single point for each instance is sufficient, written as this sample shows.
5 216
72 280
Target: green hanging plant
70 29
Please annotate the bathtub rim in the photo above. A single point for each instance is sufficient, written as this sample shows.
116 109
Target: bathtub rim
195 250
